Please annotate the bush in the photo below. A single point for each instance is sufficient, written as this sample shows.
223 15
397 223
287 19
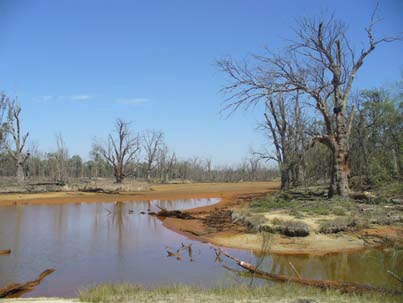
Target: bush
337 225
288 228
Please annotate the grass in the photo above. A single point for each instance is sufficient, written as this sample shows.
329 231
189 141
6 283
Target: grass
268 293
391 189
272 201
299 208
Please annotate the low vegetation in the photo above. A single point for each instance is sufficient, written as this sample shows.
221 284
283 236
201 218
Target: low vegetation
268 293
103 185
288 212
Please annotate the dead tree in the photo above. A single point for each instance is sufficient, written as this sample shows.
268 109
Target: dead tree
152 142
119 149
165 163
3 124
319 63
62 156
19 139
284 127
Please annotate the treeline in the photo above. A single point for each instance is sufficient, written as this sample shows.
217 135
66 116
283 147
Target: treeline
51 166
125 153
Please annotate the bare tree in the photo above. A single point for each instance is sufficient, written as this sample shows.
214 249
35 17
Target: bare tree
152 143
3 124
284 128
119 149
165 162
19 139
319 63
62 156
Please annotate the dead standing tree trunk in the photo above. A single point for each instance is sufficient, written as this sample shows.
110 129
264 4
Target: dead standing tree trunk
119 150
152 142
19 139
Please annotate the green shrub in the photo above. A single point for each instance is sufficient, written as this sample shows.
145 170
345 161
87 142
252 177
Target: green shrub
271 202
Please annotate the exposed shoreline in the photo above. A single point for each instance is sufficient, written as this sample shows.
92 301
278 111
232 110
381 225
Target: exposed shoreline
231 195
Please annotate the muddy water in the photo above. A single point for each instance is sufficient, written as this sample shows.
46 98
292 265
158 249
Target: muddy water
90 243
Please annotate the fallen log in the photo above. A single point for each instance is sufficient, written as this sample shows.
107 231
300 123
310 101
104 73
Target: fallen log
14 289
98 190
5 252
363 196
173 214
324 284
47 183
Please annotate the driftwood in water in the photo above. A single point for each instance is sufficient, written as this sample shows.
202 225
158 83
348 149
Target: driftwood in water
98 190
5 252
173 214
16 288
325 284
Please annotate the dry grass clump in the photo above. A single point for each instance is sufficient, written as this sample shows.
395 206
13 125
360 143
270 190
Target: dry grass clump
253 222
258 223
290 228
338 225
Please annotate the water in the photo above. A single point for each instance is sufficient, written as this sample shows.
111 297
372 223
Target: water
89 243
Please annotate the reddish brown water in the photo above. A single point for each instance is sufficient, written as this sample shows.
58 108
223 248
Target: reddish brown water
90 243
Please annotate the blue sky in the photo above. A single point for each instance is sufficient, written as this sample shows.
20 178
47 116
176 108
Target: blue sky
78 65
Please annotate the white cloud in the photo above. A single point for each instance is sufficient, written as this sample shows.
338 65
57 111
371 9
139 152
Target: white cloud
62 98
132 101
80 97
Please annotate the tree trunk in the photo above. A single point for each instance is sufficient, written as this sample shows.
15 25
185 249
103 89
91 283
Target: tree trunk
340 170
285 176
395 164
20 171
118 175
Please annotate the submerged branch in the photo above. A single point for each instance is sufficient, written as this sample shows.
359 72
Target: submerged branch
325 284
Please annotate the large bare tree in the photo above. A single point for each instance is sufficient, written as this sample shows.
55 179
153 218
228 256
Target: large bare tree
320 63
119 149
18 138
152 143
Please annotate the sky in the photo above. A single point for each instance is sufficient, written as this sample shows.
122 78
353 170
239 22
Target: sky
78 65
